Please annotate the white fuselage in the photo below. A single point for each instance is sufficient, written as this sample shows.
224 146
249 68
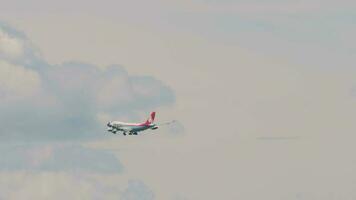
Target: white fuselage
131 128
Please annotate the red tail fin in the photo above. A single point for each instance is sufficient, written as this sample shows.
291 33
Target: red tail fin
152 117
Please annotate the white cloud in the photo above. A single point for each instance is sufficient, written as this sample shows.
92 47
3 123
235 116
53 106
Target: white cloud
38 155
74 97
61 185
17 81
58 158
10 47
113 90
137 190
49 185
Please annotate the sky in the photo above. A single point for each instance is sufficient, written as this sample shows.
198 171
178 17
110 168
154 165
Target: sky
263 93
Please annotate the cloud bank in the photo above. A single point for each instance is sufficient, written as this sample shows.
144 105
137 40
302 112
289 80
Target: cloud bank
72 100
43 106
58 158
61 185
137 190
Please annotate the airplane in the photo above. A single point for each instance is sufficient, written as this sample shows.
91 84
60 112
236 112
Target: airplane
133 128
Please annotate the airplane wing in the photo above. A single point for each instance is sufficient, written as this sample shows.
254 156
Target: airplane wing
123 129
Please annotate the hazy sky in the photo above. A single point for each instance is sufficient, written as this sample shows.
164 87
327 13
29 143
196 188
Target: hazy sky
264 93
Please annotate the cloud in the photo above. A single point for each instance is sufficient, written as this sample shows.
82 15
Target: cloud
137 190
17 81
10 47
16 48
71 100
58 158
50 185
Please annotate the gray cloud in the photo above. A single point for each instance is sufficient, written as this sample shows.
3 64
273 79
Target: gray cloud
58 158
137 190
71 100
59 185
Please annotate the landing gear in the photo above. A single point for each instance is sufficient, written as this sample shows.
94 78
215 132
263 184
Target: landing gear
124 133
112 131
